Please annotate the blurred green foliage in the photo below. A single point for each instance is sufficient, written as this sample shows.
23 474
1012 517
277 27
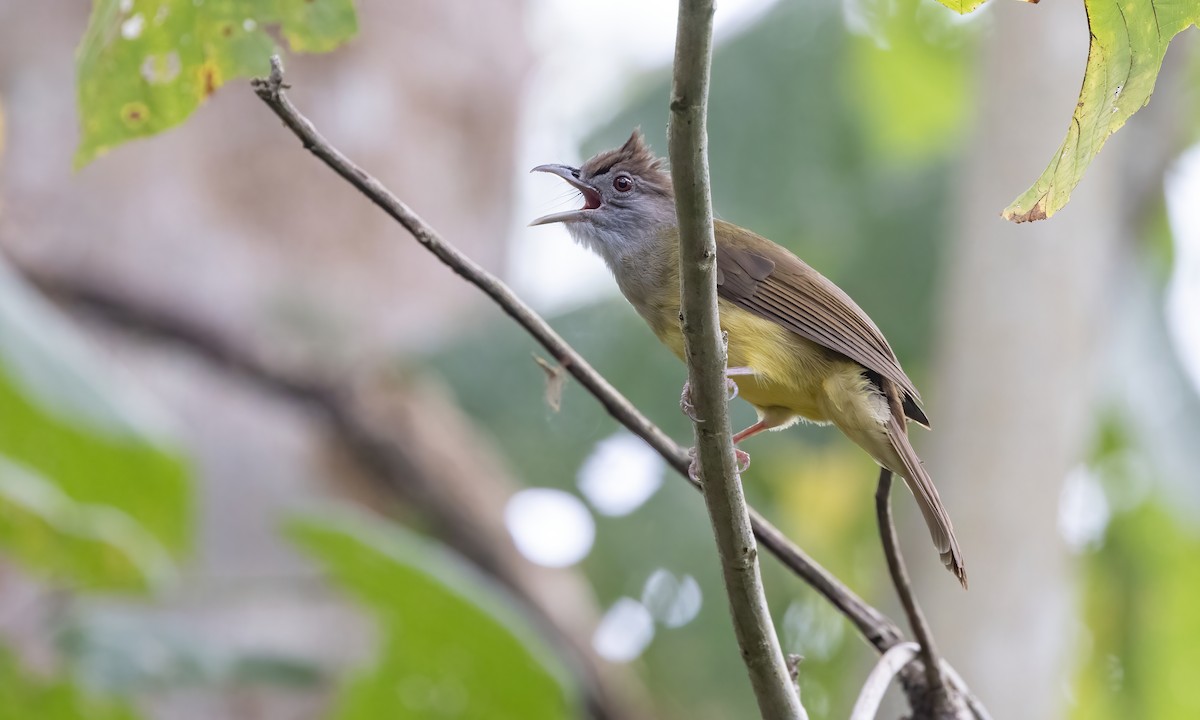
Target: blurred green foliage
88 546
1140 589
908 74
451 644
25 697
95 494
146 65
1138 654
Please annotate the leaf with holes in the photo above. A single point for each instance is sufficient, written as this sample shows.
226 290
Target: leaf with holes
1129 41
146 65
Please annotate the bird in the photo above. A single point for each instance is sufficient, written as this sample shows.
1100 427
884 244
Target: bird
798 347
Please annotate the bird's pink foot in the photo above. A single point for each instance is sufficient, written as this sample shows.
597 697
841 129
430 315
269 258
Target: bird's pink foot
741 456
731 387
731 373
685 404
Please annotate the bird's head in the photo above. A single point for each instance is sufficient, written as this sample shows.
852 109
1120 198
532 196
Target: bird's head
627 198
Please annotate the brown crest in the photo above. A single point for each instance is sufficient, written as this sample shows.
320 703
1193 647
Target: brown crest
636 158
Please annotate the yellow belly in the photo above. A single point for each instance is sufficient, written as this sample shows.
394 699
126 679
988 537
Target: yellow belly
790 372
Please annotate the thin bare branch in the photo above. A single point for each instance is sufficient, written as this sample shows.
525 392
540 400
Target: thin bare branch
687 139
941 703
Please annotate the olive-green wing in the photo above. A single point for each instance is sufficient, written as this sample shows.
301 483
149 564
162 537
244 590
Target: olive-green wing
767 280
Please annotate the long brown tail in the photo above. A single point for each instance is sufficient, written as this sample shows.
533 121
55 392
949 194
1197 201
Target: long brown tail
921 486
936 517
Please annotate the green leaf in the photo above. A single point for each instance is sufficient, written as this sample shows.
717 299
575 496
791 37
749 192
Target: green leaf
91 486
146 65
451 645
962 7
26 697
93 545
1128 41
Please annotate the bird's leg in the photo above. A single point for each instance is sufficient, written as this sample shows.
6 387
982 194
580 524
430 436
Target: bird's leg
751 431
743 457
731 387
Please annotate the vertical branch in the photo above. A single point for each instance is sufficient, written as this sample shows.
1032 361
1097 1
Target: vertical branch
938 700
687 139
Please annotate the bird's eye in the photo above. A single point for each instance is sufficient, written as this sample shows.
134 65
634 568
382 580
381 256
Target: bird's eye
622 183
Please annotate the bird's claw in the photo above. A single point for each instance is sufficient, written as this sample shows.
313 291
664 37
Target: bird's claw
730 374
741 456
743 460
731 390
685 402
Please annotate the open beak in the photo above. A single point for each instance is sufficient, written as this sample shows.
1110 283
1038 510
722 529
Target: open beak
591 196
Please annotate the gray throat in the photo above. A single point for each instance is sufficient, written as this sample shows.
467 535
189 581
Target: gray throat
637 257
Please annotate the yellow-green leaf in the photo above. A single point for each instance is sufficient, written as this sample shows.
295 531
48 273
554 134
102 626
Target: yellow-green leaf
146 65
1129 40
94 492
81 545
962 7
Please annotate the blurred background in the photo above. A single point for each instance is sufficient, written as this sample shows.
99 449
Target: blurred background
207 340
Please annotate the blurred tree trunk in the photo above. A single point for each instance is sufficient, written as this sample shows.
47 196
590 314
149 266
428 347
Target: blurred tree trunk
1021 312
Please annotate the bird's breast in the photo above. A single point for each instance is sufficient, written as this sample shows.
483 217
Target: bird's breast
789 371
